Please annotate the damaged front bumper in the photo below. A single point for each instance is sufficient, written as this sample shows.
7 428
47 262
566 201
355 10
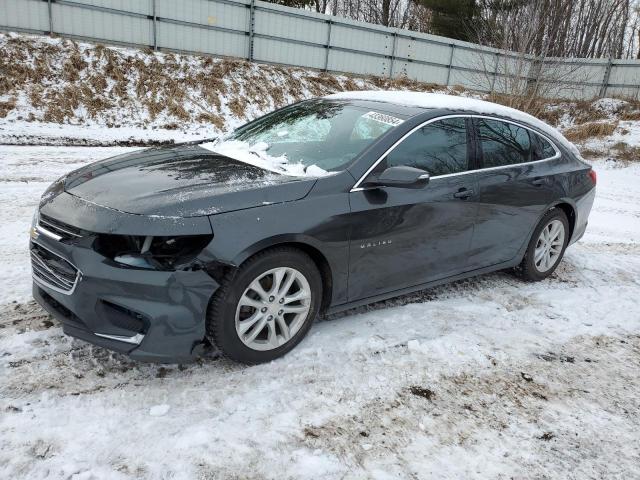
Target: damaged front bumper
150 315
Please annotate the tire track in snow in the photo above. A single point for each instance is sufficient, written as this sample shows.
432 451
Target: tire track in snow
518 407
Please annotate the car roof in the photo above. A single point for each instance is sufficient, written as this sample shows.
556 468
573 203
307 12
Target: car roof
426 100
438 101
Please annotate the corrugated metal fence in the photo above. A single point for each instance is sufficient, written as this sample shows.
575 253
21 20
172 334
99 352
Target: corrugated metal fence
266 32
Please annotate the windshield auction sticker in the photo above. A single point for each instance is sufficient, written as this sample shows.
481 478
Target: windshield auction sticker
383 118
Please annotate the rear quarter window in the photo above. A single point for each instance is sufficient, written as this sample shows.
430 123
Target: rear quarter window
542 148
503 143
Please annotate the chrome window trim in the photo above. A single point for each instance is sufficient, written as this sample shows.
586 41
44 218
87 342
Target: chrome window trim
42 283
357 188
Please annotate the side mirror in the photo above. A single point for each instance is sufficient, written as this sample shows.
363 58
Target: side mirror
399 177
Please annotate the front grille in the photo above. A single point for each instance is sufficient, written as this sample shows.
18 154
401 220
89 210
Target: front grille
58 228
53 271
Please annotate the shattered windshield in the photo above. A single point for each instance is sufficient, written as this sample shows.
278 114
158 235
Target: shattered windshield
311 138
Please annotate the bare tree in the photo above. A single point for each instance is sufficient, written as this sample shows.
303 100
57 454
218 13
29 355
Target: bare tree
564 28
525 67
632 33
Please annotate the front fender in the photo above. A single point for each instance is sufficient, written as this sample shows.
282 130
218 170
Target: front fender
322 224
287 238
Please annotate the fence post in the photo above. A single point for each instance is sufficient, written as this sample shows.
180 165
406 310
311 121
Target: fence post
453 49
155 25
328 47
50 17
533 76
495 73
605 78
393 53
252 17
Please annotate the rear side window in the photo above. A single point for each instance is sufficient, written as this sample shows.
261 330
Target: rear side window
541 148
440 148
503 143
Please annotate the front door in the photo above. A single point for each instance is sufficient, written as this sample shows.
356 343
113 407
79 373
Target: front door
404 237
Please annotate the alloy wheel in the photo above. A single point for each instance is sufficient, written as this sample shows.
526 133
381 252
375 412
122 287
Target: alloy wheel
549 246
273 308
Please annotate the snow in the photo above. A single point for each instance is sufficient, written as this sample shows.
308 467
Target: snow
20 132
159 410
527 380
257 155
609 106
442 101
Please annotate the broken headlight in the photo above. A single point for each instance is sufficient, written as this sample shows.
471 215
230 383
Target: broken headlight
153 253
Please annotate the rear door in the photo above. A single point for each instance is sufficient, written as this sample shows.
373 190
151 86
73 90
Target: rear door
516 184
403 237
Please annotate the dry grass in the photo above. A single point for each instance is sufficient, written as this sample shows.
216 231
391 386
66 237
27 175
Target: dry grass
585 112
6 107
237 107
622 151
535 107
591 153
580 111
585 131
630 115
211 119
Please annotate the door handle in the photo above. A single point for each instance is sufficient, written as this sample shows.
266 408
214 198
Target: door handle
538 181
463 193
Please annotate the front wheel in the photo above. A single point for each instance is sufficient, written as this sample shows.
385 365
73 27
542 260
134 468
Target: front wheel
547 246
267 308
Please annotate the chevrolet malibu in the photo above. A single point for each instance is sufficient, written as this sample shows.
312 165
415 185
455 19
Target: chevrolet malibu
320 206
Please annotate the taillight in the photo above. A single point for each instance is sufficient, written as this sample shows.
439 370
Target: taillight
593 176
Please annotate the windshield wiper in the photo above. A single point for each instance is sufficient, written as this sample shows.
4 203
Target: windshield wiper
198 142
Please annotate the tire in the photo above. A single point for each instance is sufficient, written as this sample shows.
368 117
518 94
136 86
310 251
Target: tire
237 309
533 269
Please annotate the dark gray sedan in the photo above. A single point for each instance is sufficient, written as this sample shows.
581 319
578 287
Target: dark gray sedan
314 208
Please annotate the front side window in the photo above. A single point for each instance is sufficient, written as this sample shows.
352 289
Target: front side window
440 148
503 143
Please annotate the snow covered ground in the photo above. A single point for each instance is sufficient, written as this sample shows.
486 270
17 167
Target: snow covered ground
486 378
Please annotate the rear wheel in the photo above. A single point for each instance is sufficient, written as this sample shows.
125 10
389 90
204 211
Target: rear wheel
267 308
547 246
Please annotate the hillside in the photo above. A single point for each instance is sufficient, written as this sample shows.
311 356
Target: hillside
56 91
137 96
